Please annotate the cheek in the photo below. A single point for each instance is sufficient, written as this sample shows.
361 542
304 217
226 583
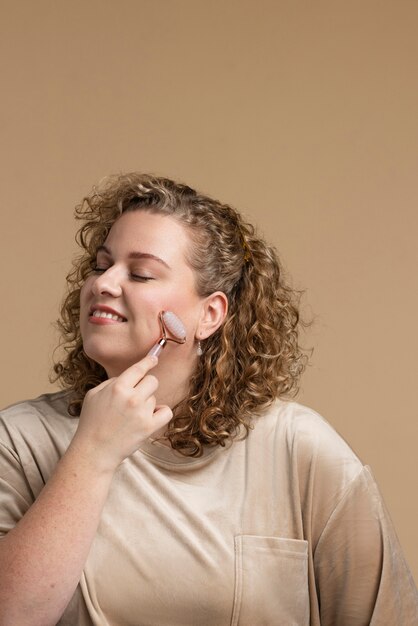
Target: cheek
85 290
85 299
140 302
186 307
158 297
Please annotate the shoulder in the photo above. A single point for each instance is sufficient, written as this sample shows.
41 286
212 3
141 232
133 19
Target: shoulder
42 418
320 465
46 403
34 434
305 432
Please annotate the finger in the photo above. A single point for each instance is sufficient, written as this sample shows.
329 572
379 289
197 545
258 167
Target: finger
147 386
132 375
161 417
150 406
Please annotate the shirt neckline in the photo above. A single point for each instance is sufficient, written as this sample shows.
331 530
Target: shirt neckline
167 455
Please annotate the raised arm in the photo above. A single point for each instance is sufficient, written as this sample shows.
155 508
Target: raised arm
42 558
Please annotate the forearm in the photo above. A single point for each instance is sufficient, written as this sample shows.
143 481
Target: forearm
42 558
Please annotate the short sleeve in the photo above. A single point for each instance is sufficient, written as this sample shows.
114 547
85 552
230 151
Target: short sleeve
34 435
360 572
15 493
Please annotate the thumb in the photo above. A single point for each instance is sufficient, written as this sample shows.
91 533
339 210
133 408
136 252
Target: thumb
161 416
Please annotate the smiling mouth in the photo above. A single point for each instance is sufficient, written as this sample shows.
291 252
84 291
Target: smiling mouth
109 316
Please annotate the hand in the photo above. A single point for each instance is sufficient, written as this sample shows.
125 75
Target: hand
119 414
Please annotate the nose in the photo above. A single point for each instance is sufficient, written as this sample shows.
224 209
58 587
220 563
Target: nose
108 283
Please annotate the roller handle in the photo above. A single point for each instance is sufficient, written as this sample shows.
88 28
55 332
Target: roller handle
157 348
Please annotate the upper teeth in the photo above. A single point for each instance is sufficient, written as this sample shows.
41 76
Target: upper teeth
110 316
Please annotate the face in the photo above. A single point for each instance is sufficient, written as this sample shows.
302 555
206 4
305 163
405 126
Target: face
140 271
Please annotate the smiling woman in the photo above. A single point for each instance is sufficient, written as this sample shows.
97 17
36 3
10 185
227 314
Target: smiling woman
190 488
135 285
213 266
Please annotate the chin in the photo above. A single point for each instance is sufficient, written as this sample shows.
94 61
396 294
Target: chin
110 356
113 365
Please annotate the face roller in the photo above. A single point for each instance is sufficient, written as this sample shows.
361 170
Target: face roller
171 323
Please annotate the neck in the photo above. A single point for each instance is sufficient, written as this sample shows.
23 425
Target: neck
174 376
174 369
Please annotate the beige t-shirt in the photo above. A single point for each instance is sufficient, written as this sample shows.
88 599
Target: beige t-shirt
285 527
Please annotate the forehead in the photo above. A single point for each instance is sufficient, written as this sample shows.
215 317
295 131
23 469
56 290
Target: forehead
142 231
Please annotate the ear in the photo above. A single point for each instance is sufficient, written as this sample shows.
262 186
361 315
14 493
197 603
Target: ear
213 313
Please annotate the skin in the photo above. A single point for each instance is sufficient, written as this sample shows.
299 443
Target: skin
139 289
42 558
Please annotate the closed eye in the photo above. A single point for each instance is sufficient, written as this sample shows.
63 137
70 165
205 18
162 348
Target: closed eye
141 278
137 277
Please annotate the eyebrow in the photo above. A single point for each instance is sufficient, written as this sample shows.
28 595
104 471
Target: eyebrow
136 255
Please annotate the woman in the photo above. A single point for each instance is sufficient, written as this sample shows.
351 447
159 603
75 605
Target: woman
185 489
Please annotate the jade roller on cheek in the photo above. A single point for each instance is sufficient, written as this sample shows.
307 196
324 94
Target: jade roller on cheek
171 323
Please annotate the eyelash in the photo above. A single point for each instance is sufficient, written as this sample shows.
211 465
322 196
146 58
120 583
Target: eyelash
142 279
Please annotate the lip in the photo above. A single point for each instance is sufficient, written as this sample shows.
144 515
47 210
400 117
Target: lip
105 309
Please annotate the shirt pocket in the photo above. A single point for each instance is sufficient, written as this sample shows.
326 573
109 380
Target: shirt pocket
271 582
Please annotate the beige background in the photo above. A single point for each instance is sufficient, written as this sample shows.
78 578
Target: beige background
301 114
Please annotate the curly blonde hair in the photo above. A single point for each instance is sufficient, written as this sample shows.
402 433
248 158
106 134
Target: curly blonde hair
250 360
